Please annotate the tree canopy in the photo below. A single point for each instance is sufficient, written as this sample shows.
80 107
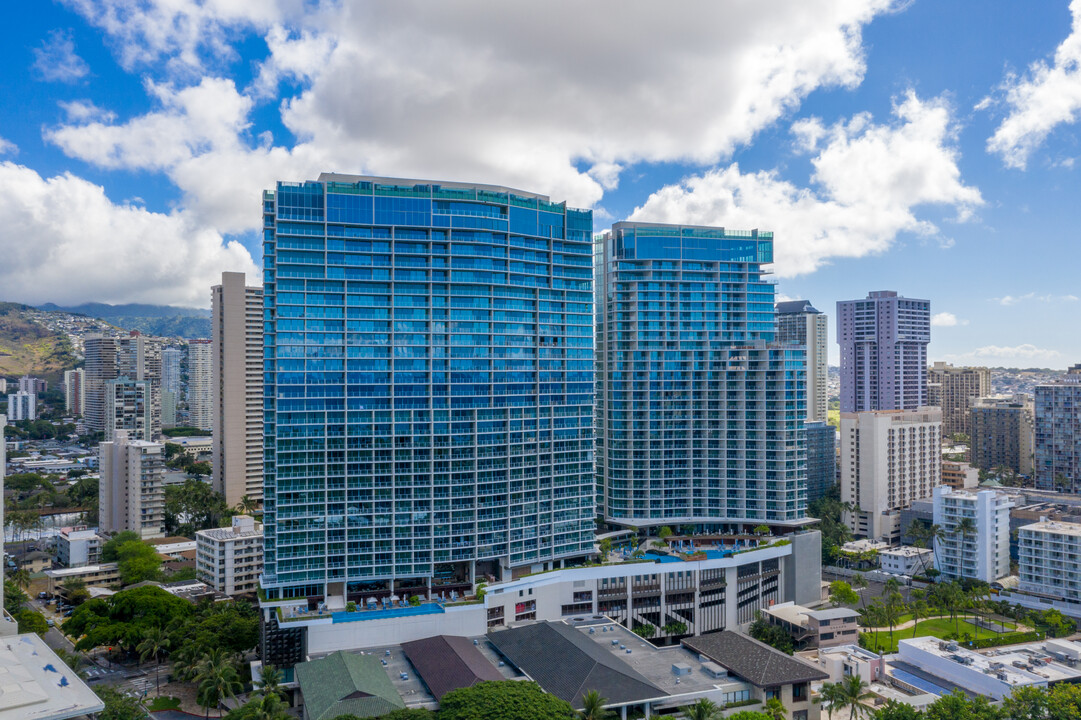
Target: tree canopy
110 551
503 700
124 619
138 562
192 506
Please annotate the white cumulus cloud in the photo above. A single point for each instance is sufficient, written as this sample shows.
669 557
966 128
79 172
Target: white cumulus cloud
64 241
869 179
1047 96
1010 300
1024 355
557 97
946 319
56 61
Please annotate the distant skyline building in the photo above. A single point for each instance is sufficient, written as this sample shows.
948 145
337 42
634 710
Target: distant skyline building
699 411
1049 560
800 323
22 405
131 490
1057 463
74 391
955 389
1002 433
237 387
200 384
883 340
100 366
33 385
172 358
129 409
428 385
889 459
821 459
134 357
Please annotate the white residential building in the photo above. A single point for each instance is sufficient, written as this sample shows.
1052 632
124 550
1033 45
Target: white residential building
905 560
889 459
984 554
131 494
231 559
1049 559
22 405
78 548
237 388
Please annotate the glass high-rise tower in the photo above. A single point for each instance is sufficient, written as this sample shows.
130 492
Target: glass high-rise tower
428 385
699 413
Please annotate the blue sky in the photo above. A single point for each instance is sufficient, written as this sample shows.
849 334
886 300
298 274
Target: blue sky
923 147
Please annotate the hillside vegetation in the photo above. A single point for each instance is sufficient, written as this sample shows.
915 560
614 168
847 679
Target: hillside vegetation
29 348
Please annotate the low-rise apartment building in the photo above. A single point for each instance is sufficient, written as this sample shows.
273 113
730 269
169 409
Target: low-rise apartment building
231 559
905 560
815 628
78 548
1049 560
982 554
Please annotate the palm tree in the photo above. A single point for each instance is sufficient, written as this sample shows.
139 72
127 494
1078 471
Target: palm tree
918 606
829 695
216 679
774 709
702 709
153 644
269 707
964 527
859 582
593 707
271 682
75 661
891 612
247 505
936 534
21 577
853 691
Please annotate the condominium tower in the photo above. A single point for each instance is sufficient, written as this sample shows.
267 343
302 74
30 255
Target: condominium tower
883 341
889 459
171 360
699 413
129 409
200 384
954 389
22 405
99 368
1057 463
799 323
428 385
131 491
1001 433
74 391
237 387
134 357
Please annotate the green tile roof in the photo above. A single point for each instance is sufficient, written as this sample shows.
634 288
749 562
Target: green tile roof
346 684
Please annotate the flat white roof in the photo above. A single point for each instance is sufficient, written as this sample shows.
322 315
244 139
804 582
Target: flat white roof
37 685
1055 528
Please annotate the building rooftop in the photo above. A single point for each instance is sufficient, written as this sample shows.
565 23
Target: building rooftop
973 661
567 664
832 613
231 533
905 551
796 306
1054 527
346 684
35 684
347 178
754 661
447 663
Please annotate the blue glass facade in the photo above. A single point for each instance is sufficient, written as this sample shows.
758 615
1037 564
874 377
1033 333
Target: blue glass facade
428 383
821 459
699 415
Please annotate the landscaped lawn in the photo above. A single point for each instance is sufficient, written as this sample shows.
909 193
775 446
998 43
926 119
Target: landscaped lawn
937 627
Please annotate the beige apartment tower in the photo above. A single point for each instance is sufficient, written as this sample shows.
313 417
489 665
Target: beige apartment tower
955 389
237 388
131 494
889 459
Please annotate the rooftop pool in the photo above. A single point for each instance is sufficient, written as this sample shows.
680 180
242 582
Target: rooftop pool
426 609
